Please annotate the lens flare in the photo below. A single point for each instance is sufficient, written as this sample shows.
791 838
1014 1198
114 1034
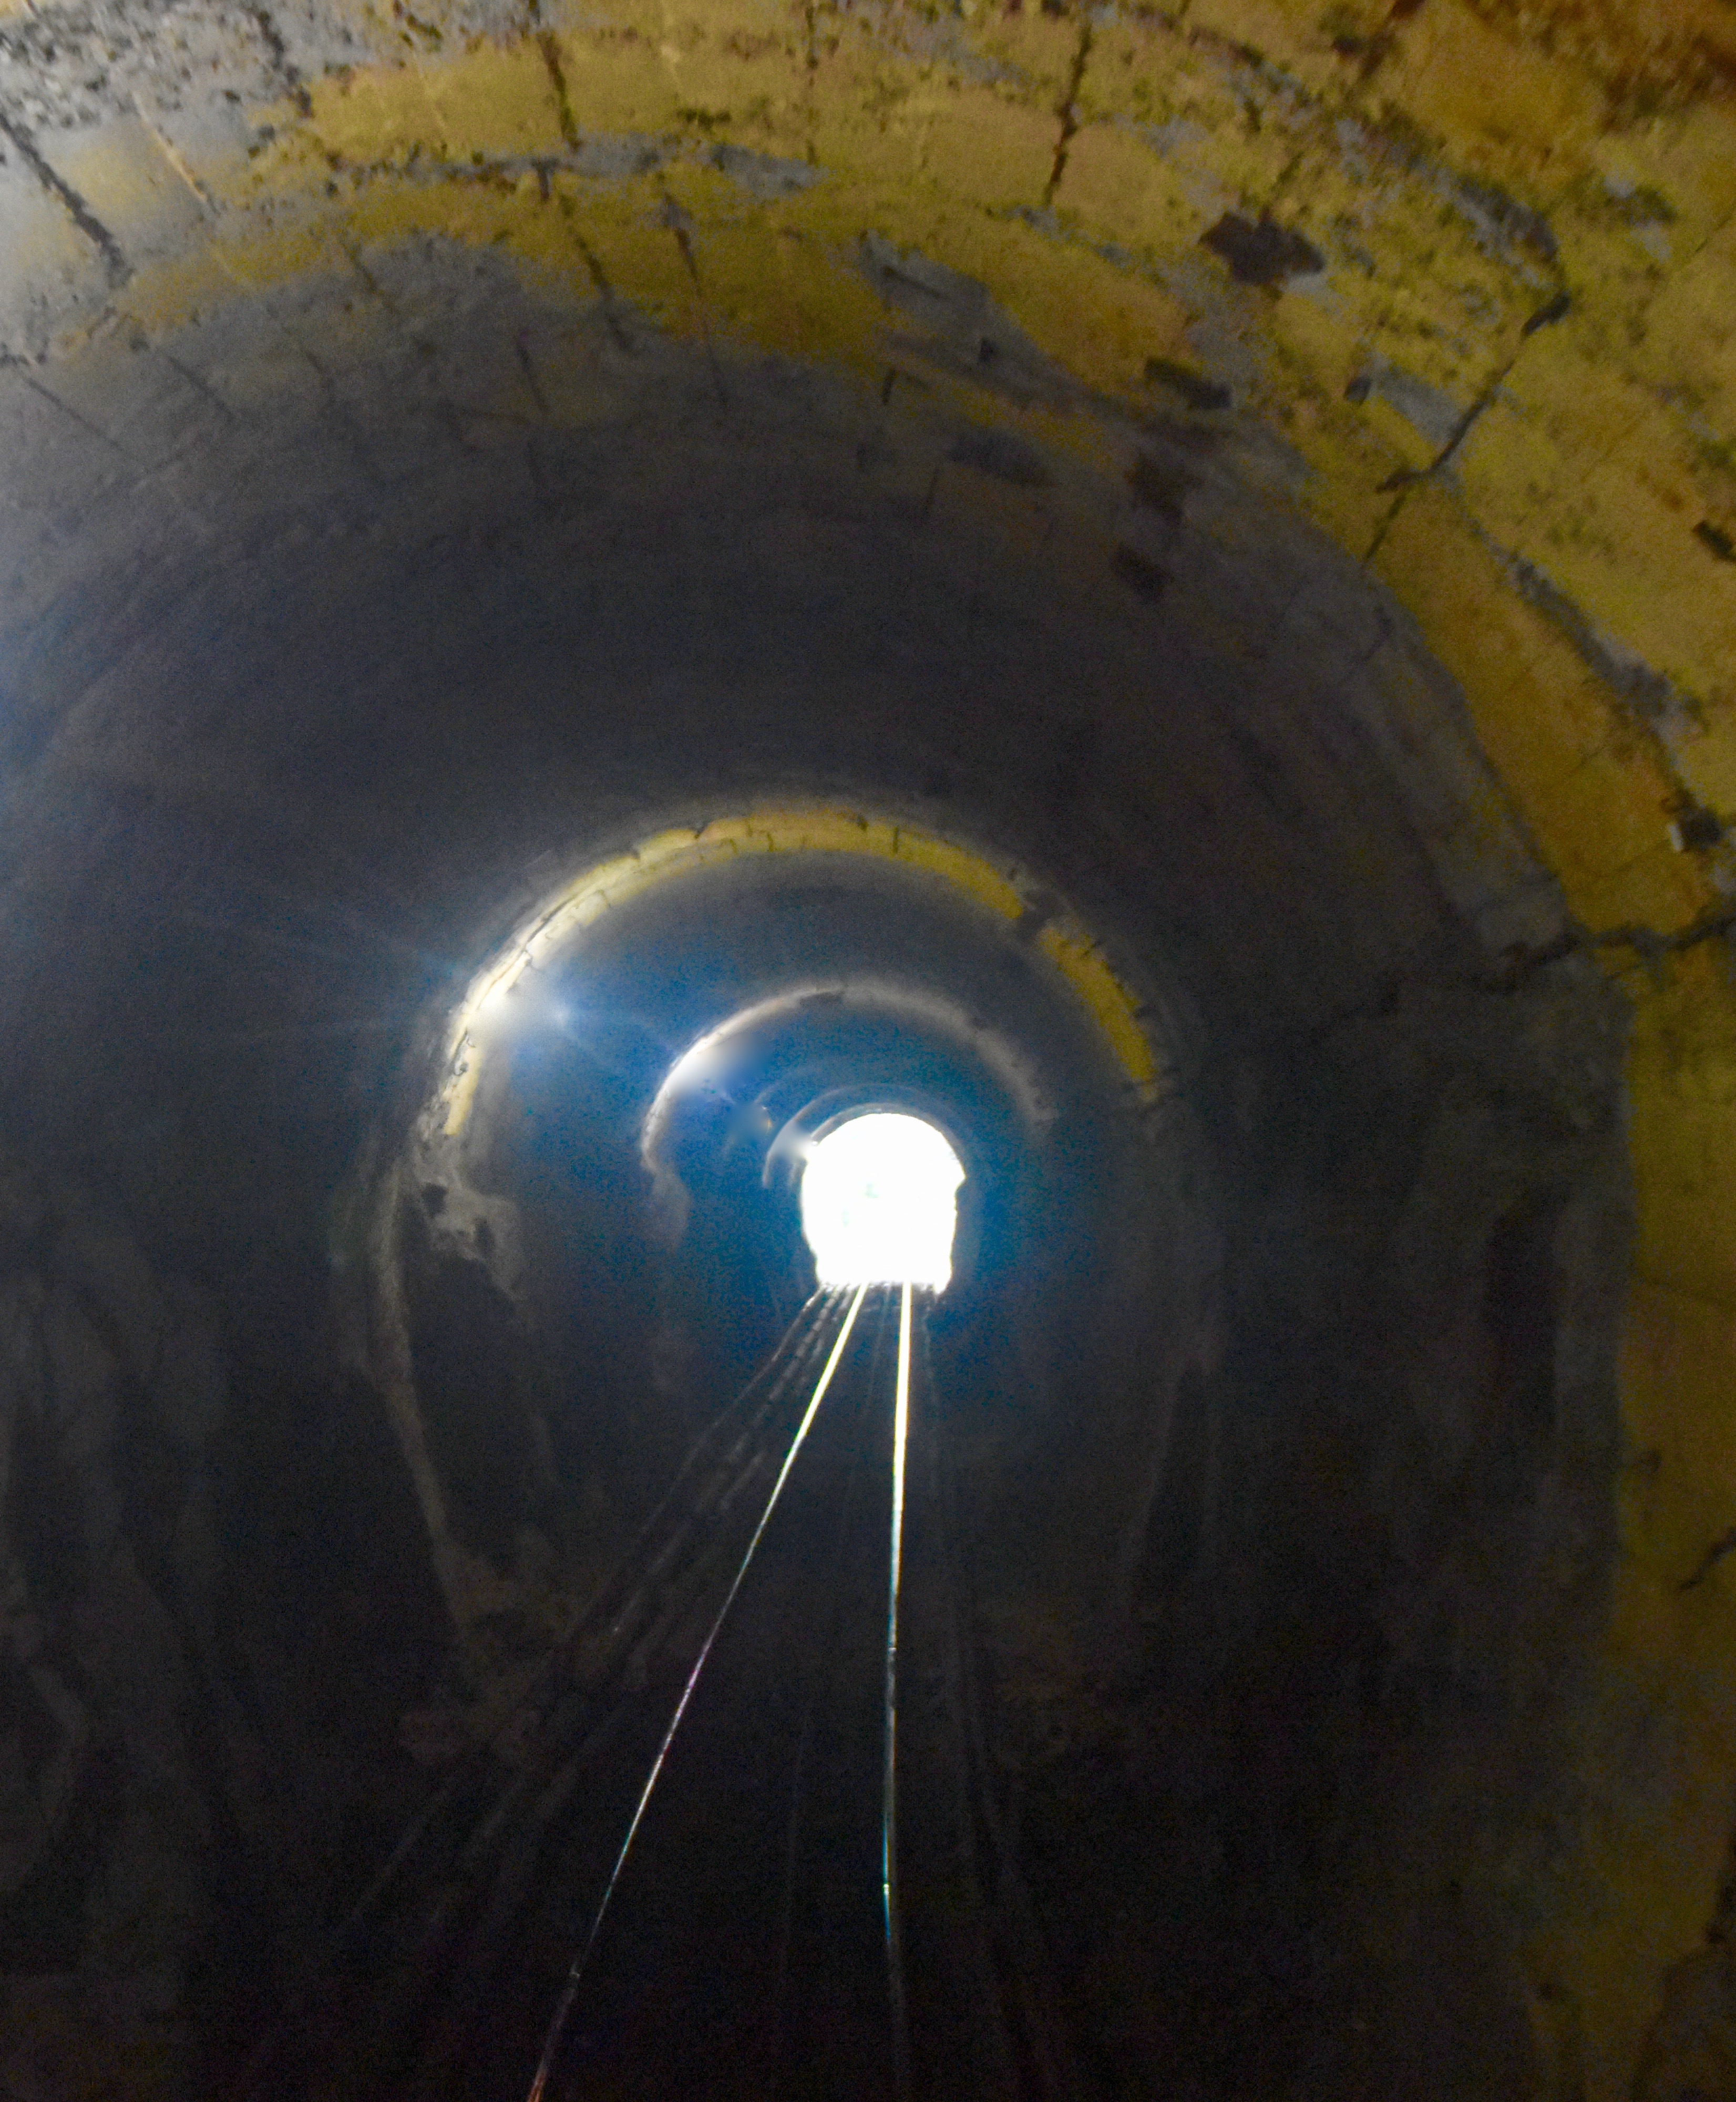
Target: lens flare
879 1203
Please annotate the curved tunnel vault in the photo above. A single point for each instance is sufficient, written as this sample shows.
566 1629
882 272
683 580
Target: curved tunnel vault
1164 585
656 1047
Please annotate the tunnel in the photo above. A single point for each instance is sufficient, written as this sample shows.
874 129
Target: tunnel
592 595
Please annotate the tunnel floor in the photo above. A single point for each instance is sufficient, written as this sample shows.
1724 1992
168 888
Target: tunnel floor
670 1873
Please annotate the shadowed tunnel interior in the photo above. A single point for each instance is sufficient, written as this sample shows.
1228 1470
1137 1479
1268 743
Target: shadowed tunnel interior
934 557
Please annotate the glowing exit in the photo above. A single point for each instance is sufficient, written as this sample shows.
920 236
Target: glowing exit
879 1203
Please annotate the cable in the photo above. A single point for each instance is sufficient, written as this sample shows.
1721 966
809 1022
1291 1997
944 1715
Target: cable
792 1342
570 1993
804 1742
888 1779
801 1341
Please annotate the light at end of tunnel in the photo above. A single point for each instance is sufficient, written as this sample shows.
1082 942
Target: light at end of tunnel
879 1203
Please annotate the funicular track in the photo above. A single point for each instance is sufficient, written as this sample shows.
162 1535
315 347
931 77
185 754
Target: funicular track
688 1862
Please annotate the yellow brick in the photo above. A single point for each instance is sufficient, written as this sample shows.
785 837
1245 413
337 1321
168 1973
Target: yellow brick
1348 463
619 78
637 253
1580 468
1620 541
981 149
1564 384
1324 337
1143 70
282 250
1707 763
1658 888
1038 49
499 103
1516 666
1594 799
1605 823
1689 156
1607 258
1689 339
1678 1364
737 72
1504 110
368 116
1116 189
773 285
1297 35
1047 287
1683 1123
867 122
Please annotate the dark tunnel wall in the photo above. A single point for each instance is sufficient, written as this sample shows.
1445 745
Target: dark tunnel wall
300 725
367 379
282 779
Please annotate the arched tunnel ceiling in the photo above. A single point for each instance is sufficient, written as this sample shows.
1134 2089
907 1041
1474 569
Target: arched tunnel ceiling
604 887
1451 286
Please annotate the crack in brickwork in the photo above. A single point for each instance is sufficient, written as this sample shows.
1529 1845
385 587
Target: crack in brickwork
114 263
1068 109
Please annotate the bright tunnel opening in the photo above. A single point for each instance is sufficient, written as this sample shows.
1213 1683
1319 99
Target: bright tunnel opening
879 1203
